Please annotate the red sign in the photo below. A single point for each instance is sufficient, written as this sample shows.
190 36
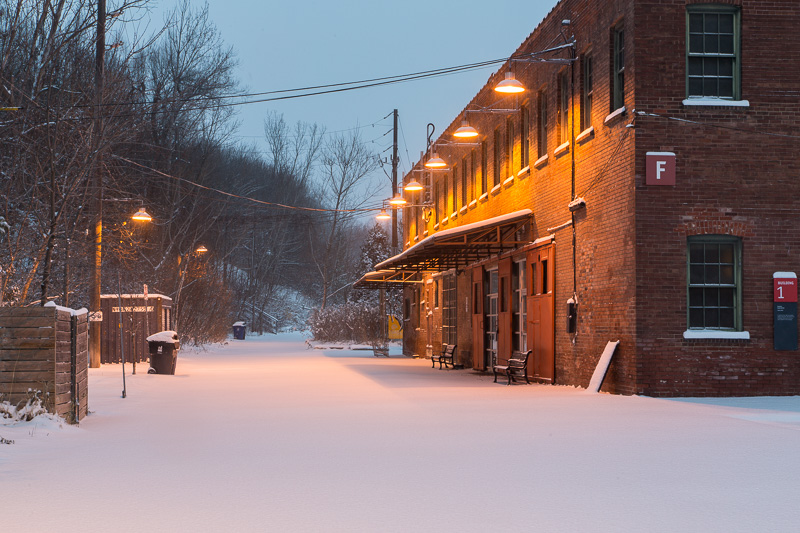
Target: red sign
660 168
785 289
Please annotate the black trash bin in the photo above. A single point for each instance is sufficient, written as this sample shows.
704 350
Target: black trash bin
163 352
238 331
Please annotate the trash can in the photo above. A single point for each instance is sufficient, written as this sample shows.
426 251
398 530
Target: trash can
238 331
164 347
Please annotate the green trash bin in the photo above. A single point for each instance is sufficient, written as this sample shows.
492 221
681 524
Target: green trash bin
164 347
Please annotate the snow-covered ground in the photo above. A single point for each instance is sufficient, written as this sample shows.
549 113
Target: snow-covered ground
267 435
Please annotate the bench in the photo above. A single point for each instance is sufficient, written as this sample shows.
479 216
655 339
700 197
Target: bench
445 357
517 366
379 351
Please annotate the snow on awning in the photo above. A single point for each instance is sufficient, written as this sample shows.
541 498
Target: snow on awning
462 245
385 279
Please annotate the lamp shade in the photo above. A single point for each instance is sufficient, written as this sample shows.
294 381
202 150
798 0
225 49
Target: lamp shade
383 215
398 200
201 249
509 85
141 215
413 186
435 162
465 131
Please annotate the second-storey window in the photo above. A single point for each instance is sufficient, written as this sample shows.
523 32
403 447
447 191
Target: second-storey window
587 92
524 136
618 75
712 62
541 122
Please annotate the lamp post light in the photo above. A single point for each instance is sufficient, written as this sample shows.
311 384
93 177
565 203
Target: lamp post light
183 261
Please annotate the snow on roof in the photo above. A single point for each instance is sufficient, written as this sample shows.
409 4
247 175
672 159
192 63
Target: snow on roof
163 336
451 232
72 312
151 295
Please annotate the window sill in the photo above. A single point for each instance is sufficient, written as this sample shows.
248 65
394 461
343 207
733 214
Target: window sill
715 334
561 150
425 233
435 227
585 135
525 172
416 238
484 197
496 189
715 102
472 204
542 161
453 216
509 181
615 114
462 210
444 221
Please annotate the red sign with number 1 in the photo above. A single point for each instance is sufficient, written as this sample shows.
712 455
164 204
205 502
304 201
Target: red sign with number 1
785 289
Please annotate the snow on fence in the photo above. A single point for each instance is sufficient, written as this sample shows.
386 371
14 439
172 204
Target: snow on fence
45 349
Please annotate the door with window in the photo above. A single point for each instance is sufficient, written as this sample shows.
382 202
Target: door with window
491 285
541 313
478 362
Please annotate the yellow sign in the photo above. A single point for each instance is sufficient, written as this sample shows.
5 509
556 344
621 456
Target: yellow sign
135 309
395 328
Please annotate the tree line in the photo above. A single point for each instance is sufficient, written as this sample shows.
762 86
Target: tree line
282 229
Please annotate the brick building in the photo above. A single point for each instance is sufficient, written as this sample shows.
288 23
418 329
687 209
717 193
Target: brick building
648 174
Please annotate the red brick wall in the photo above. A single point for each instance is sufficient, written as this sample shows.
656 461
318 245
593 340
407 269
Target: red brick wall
730 180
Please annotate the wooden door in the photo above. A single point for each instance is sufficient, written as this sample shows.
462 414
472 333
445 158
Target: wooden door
477 318
541 313
504 315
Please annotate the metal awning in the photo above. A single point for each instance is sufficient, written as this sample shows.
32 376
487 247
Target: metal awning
460 246
386 279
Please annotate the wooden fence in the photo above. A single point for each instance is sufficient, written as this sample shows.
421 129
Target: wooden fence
45 349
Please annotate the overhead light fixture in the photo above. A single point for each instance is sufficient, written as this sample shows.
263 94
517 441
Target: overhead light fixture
413 186
141 215
398 200
383 215
201 249
435 162
510 85
465 131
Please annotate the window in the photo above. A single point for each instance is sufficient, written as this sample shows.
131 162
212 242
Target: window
714 288
464 186
712 62
436 202
509 159
446 197
524 134
563 107
541 120
586 93
618 75
454 176
484 167
449 318
472 177
498 148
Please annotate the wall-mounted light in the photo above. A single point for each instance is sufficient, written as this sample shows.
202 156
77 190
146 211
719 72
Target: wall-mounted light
435 162
413 186
201 249
383 215
141 216
509 85
465 131
398 200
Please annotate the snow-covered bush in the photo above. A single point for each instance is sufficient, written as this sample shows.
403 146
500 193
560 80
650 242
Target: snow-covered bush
358 322
25 410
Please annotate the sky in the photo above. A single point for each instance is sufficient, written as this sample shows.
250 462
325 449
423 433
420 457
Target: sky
286 45
267 435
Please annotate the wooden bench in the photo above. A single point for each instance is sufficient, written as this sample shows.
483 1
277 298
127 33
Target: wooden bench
446 356
379 351
517 366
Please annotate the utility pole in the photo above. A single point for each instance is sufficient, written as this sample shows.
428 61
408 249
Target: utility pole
94 297
394 185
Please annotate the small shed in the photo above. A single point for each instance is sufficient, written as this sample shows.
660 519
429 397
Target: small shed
141 317
45 349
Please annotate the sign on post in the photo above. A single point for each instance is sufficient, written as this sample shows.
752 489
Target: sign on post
784 310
